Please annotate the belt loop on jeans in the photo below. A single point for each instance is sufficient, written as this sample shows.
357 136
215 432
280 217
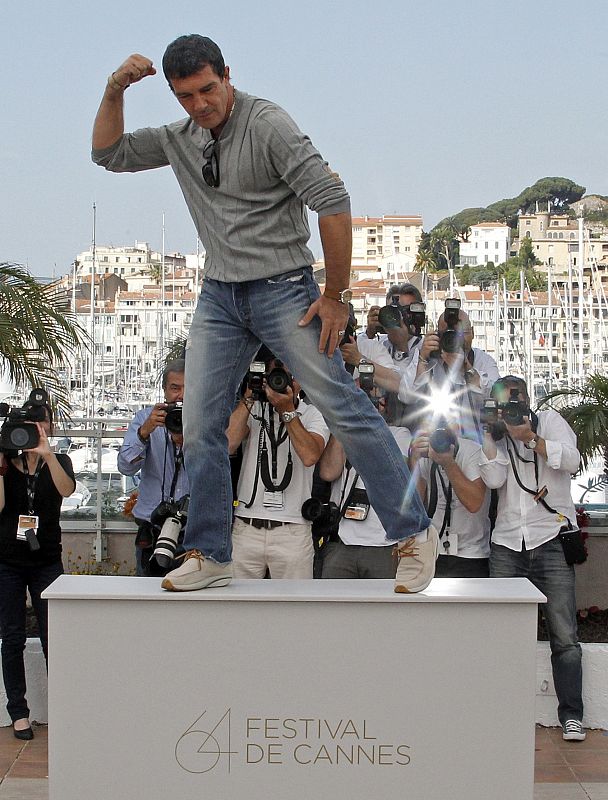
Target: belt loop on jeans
268 524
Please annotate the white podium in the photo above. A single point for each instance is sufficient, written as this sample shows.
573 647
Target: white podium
264 690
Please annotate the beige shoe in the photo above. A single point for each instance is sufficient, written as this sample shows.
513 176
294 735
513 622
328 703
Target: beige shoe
416 566
197 572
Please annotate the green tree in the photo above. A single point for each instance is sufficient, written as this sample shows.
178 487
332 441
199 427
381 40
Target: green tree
38 333
527 261
585 409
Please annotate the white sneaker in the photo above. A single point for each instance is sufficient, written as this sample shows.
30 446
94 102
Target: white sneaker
573 731
416 567
197 572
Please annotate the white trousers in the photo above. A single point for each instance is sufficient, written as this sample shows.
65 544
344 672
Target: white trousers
286 551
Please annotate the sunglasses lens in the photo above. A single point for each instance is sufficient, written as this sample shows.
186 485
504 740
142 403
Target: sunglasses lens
211 168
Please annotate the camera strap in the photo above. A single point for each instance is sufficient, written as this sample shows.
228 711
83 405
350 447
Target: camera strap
447 493
178 460
31 481
269 479
262 466
344 503
535 493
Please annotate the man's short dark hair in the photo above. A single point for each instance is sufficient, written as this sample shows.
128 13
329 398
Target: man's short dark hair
510 382
403 288
179 366
189 54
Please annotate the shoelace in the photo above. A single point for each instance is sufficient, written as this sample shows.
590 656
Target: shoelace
407 549
573 726
191 554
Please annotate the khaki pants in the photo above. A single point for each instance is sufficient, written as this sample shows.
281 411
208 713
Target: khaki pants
286 551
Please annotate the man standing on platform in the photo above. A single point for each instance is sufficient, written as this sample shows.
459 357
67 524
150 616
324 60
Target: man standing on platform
247 174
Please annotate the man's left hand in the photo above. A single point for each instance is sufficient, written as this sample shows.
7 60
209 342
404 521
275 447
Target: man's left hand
521 433
443 459
280 401
334 318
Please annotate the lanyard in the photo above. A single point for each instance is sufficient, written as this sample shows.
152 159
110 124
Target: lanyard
178 460
31 481
275 442
447 493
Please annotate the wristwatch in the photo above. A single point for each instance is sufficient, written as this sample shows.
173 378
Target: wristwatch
336 294
531 445
288 416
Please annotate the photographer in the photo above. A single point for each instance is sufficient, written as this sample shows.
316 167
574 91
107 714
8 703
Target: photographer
530 458
447 362
359 549
33 484
282 439
391 352
156 453
456 498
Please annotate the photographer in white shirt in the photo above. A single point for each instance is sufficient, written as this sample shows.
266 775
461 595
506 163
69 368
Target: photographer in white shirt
530 459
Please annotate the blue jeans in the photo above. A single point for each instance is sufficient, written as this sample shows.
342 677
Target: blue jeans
545 567
230 322
13 584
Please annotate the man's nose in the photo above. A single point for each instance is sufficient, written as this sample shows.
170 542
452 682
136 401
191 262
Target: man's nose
199 103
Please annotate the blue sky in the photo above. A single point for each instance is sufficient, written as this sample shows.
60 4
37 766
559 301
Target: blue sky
423 107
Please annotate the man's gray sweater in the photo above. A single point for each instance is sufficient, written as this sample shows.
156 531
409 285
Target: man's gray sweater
254 224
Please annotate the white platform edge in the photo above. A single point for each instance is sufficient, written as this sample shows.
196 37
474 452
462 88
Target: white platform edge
441 590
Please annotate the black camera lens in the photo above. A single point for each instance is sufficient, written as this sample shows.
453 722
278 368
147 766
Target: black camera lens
173 419
451 341
513 413
442 439
390 317
278 380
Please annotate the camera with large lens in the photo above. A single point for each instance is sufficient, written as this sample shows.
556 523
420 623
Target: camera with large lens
314 510
514 410
173 419
413 316
170 517
19 431
442 439
278 379
452 339
489 417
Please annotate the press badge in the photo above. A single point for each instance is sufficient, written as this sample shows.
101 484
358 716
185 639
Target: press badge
449 544
273 499
26 524
358 507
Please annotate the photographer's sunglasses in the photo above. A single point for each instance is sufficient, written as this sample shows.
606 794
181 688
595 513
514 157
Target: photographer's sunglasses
211 167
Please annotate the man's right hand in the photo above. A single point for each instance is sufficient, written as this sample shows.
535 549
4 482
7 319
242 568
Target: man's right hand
430 344
134 69
373 322
419 447
156 419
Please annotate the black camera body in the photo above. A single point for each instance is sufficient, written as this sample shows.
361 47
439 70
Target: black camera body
19 431
442 439
314 510
452 339
366 376
278 379
170 517
413 316
173 420
514 410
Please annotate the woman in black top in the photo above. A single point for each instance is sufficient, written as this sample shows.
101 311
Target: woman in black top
32 485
